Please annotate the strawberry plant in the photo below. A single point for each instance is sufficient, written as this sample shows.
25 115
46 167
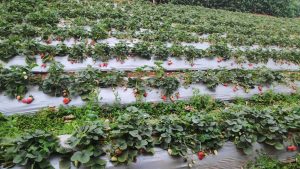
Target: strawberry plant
170 134
176 51
219 50
56 81
61 50
101 52
142 50
78 53
15 80
241 132
44 17
131 135
24 30
99 32
30 150
120 51
168 84
9 48
88 145
77 32
111 79
207 129
161 51
85 82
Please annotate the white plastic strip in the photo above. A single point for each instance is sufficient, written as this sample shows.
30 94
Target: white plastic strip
177 64
125 96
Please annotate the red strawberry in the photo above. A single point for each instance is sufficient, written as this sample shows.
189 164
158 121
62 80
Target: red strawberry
18 97
145 94
24 100
164 97
44 65
235 89
225 84
30 99
292 148
170 62
219 60
105 64
42 55
201 155
250 64
58 38
49 40
66 100
260 88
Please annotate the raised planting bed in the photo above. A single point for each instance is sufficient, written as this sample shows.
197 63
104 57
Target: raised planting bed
181 130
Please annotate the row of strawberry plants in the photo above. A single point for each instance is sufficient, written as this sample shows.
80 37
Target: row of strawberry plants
146 50
178 24
134 132
16 80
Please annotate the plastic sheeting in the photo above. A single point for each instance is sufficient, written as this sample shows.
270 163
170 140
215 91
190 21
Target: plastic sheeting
133 63
228 157
124 96
177 64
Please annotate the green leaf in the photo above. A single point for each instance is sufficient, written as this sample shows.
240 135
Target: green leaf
81 156
247 150
64 164
279 146
134 133
18 159
261 139
123 157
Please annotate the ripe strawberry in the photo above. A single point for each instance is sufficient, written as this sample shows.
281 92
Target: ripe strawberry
42 55
225 84
30 99
66 100
105 64
44 65
24 100
260 88
201 155
250 64
219 60
235 89
18 97
164 97
292 148
170 62
58 38
145 94
49 41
